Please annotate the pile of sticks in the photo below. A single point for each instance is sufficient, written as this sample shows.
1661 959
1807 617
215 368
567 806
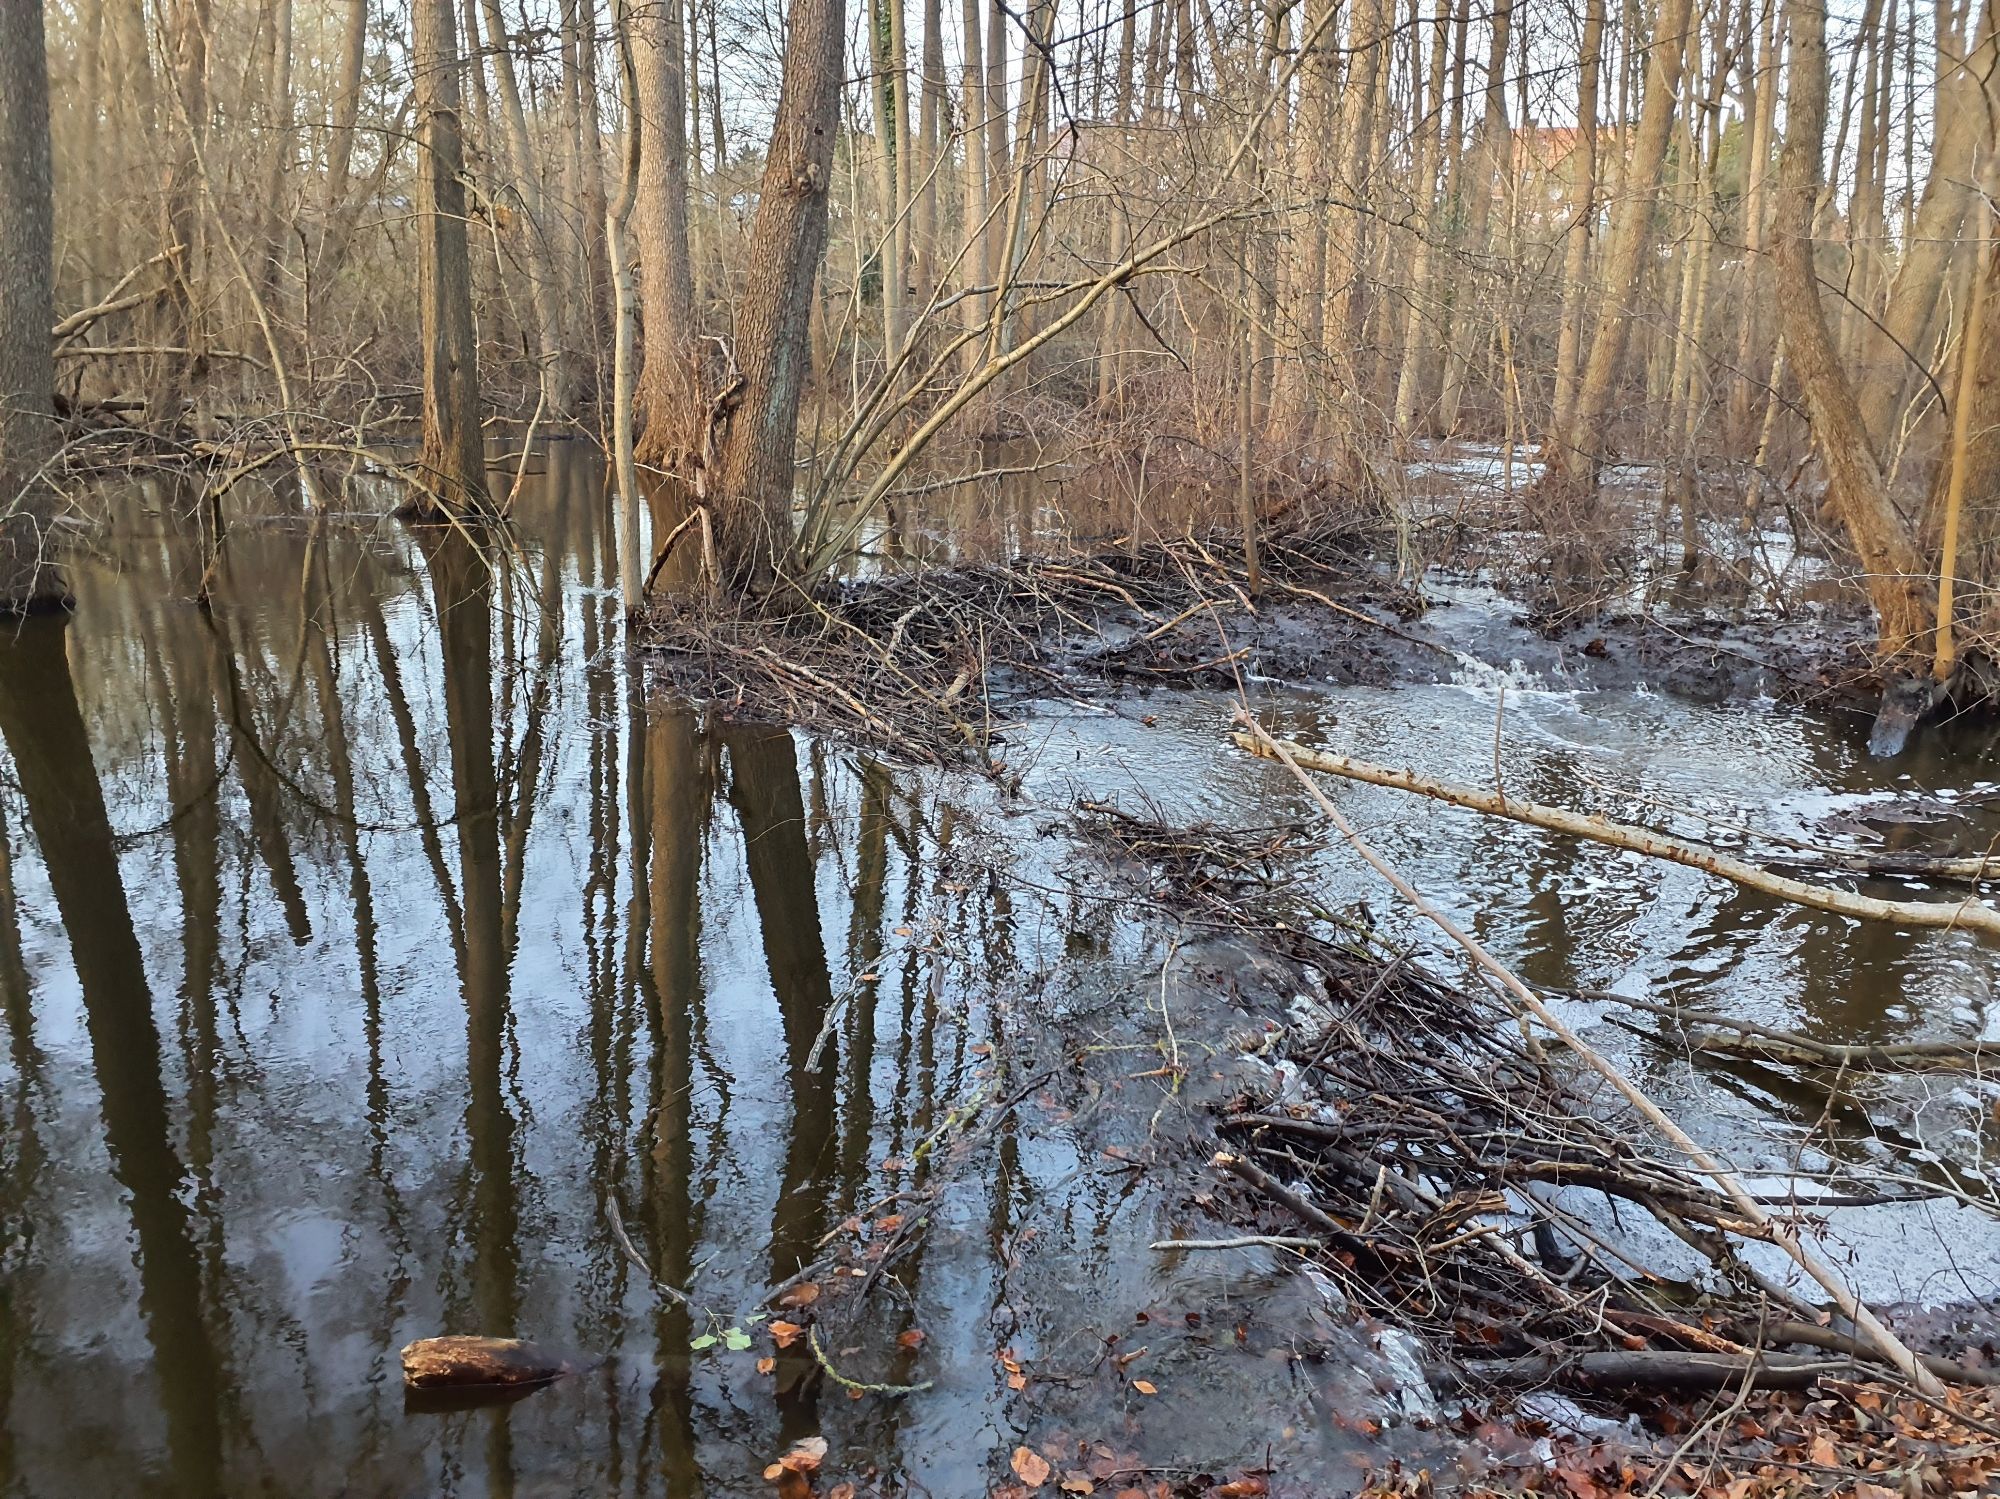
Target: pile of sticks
915 662
1426 1148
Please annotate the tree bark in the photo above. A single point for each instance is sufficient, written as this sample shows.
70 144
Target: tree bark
454 459
754 507
546 292
1581 443
1896 586
670 406
1968 915
28 433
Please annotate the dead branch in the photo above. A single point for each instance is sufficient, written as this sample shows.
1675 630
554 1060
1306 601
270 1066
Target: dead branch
1970 914
1731 1186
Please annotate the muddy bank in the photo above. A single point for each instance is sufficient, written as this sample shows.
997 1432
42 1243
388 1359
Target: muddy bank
917 662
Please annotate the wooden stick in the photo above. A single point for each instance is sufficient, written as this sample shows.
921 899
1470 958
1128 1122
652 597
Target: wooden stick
1755 1040
1970 914
1893 1347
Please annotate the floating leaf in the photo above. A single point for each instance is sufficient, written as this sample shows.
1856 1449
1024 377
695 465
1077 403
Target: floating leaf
1030 1467
1145 1387
766 1365
800 1295
706 1340
736 1340
784 1334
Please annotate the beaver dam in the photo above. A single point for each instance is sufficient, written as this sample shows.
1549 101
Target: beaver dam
943 1036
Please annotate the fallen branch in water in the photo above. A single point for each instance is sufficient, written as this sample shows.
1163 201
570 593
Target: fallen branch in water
1769 1044
1648 1369
1772 1231
1970 914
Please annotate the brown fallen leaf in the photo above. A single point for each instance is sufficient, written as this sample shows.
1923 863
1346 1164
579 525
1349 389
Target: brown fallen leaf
784 1334
766 1365
1076 1483
1243 1486
913 1338
804 1294
1030 1467
1145 1387
1017 1381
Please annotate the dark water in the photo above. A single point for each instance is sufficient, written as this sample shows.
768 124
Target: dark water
366 939
372 942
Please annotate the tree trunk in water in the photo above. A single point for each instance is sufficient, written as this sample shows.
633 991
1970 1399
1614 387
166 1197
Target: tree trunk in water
1896 587
1581 444
454 458
755 504
670 406
28 434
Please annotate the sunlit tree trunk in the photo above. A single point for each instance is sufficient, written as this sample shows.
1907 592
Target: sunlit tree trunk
1894 572
1491 154
1910 312
1583 218
1580 446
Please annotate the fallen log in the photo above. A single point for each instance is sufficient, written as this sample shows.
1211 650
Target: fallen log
464 1362
1651 1369
1970 914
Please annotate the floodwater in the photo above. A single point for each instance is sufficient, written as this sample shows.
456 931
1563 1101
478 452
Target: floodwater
373 946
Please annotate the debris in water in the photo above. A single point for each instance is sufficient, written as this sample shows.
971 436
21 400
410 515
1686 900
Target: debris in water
465 1362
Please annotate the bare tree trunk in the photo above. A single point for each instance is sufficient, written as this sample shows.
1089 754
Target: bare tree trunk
755 502
1582 442
454 457
1900 351
977 204
346 105
1753 342
28 434
1428 198
1896 587
546 291
930 149
1302 297
1583 220
624 468
1490 157
670 408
